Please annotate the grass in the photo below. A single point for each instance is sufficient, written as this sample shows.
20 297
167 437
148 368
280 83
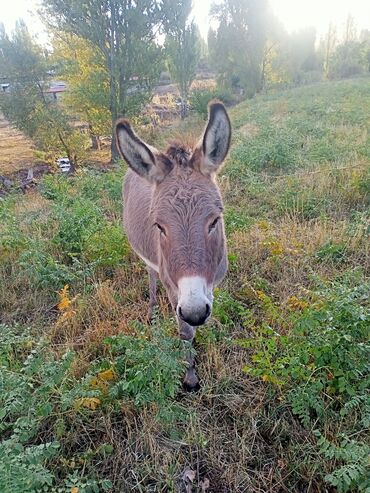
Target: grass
81 411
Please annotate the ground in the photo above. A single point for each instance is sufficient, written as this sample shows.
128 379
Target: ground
15 150
284 362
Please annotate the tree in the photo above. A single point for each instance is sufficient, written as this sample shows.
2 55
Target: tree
299 55
327 48
83 69
124 32
352 56
27 105
237 45
182 47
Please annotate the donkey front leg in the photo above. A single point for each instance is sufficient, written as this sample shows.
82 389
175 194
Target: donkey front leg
187 333
191 380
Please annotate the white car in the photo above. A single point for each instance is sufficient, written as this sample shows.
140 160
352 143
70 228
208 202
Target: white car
64 164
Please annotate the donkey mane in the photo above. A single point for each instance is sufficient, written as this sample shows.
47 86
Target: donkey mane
179 153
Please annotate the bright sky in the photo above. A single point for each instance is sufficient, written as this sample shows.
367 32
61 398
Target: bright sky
294 14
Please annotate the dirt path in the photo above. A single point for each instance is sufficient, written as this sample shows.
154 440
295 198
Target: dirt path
15 149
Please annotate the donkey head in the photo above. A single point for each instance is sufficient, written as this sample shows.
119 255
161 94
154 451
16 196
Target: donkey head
186 211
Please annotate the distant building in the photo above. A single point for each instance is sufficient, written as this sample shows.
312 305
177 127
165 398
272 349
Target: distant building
56 88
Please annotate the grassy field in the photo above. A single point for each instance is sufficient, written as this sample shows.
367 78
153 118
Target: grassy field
90 394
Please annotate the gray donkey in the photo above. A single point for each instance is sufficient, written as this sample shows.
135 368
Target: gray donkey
173 219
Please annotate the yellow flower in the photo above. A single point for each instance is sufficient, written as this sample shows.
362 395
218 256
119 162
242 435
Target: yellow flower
273 246
295 304
88 402
74 489
264 225
64 300
107 375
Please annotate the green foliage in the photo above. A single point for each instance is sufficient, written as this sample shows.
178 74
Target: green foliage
23 468
77 220
182 47
46 271
35 389
350 59
124 37
199 99
28 105
334 252
236 220
83 68
237 45
354 474
302 203
228 310
272 148
278 135
106 247
149 369
28 396
323 368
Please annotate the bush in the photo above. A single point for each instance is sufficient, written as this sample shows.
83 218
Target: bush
322 367
35 391
148 369
106 247
199 99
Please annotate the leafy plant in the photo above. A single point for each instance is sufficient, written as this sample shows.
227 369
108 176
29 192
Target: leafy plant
322 368
149 369
199 99
335 252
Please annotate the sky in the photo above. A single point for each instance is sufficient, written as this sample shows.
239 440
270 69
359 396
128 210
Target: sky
294 14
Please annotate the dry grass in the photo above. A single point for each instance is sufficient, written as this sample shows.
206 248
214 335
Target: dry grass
16 151
237 433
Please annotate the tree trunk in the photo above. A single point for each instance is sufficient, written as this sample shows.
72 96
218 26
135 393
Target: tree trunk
95 142
115 155
184 105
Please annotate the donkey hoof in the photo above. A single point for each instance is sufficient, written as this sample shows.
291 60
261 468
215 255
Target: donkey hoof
191 381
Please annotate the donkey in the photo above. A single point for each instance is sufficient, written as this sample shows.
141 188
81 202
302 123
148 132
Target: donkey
173 219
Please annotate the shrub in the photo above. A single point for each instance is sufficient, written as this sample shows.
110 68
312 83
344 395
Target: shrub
149 369
322 367
48 272
106 247
35 390
76 221
199 99
330 251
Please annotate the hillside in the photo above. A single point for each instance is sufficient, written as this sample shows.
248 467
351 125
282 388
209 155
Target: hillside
90 394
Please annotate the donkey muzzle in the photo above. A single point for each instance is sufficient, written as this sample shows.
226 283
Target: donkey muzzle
194 300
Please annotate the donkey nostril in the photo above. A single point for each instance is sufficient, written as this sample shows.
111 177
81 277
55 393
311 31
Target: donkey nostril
180 313
208 310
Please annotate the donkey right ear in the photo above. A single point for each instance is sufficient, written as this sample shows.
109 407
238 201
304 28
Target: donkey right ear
216 139
144 160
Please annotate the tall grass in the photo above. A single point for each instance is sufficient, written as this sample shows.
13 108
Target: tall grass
90 394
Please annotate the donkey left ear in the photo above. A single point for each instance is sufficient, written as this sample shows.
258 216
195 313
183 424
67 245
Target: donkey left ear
146 161
216 139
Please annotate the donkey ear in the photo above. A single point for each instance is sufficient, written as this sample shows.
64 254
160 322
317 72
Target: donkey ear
216 139
144 160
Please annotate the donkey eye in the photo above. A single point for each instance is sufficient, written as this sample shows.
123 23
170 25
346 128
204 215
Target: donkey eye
213 224
161 229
